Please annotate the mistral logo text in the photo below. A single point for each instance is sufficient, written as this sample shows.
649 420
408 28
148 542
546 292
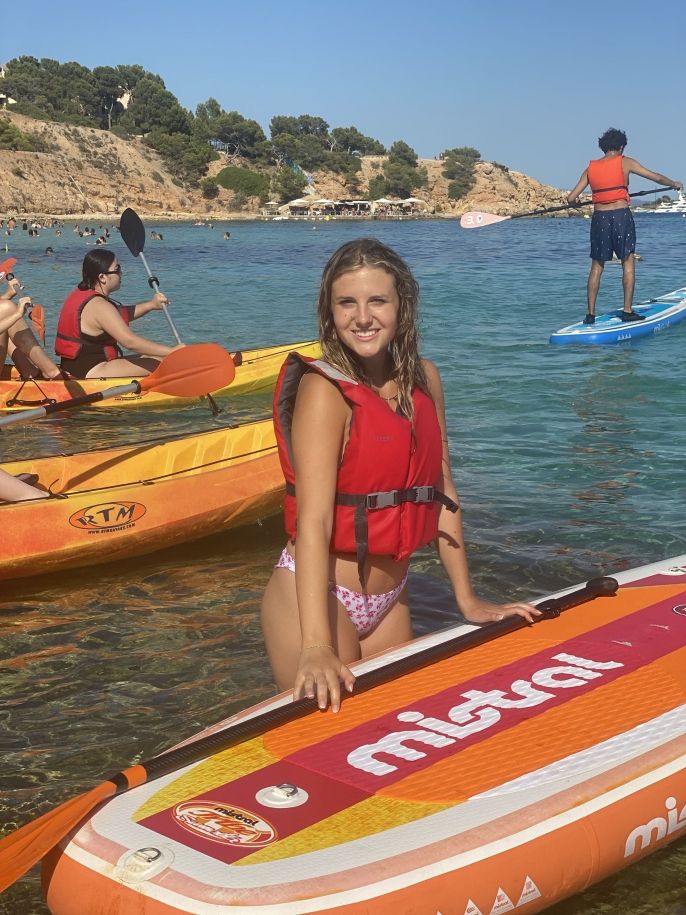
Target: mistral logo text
656 829
480 710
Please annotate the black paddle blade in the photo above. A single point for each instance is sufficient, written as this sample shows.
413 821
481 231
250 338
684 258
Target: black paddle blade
132 231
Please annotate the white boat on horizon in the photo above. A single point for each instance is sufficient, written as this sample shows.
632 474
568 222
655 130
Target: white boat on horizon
672 206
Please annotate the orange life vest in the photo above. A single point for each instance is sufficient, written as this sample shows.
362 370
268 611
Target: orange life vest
606 177
387 502
71 341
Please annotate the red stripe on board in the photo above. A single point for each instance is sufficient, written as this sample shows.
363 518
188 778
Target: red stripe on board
415 736
229 823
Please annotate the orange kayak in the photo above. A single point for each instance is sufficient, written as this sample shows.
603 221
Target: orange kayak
109 504
256 372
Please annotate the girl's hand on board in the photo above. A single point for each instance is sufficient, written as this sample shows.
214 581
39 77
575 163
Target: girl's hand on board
483 611
319 676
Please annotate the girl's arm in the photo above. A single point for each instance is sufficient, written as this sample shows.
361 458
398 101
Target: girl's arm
154 304
101 314
451 546
318 428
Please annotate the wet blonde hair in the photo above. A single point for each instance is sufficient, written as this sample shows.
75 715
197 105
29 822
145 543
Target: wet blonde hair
408 371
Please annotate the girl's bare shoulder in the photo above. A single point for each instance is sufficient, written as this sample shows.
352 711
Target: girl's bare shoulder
317 393
433 377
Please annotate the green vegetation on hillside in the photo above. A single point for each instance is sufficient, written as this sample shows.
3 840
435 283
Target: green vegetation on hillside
459 169
244 181
132 102
401 175
13 138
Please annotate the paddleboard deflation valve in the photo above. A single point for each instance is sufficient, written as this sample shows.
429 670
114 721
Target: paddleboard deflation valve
285 795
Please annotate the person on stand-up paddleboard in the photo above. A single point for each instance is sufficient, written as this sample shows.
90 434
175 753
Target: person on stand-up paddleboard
364 450
612 225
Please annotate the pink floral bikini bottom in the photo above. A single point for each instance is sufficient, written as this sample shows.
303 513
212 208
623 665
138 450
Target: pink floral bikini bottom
365 610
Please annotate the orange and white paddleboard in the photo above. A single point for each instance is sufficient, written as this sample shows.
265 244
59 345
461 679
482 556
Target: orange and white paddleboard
499 779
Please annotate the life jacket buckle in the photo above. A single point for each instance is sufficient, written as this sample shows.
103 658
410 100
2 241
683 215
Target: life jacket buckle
376 500
424 493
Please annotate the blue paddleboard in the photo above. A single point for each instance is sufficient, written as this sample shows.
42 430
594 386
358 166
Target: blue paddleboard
659 314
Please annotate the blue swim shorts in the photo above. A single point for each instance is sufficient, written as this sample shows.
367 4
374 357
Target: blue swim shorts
612 231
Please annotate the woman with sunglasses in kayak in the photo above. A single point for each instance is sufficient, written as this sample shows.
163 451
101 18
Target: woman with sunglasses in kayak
363 446
93 327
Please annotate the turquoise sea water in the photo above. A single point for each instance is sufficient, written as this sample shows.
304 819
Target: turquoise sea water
569 462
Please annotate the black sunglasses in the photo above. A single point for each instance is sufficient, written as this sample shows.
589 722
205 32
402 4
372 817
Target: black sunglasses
117 269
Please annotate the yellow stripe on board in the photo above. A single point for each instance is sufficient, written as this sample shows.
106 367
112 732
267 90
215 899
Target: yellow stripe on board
210 773
371 816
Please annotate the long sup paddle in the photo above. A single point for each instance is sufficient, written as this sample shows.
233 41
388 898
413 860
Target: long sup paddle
22 849
475 219
189 372
132 230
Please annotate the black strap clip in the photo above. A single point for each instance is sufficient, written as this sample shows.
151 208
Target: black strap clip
376 500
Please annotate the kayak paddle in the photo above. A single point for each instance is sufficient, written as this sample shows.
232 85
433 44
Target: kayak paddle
475 219
6 266
132 230
22 849
188 372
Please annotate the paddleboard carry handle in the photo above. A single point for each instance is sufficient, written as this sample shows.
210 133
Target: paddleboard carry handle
596 587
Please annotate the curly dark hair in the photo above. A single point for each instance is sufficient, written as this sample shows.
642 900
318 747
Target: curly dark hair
612 139
408 370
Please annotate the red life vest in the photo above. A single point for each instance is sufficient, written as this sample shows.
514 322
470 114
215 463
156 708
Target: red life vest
71 341
386 496
606 177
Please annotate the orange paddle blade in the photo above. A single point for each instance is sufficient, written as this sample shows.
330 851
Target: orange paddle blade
38 322
191 371
6 266
475 219
21 849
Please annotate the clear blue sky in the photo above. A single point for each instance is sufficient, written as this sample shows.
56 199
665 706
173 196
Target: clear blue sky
530 83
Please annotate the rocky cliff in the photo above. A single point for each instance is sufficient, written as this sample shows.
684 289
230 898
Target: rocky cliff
92 172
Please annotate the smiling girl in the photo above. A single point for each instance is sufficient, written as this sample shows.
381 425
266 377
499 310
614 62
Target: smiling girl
363 447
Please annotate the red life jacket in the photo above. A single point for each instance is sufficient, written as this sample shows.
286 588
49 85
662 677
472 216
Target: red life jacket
606 177
386 496
71 341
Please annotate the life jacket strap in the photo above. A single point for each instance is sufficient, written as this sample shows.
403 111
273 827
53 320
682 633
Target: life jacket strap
373 501
617 187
